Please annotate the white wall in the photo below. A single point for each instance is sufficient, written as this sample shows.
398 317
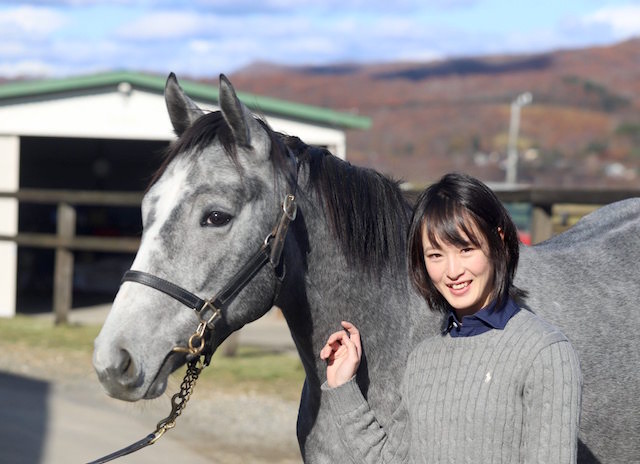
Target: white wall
135 115
9 179
138 115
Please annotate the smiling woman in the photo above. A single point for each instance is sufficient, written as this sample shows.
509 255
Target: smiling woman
488 361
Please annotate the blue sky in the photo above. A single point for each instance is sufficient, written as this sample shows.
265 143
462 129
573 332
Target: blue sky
201 38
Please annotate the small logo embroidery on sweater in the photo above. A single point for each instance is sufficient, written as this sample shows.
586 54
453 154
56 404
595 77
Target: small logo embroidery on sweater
487 377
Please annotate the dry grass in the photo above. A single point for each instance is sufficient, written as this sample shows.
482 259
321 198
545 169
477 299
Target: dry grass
39 348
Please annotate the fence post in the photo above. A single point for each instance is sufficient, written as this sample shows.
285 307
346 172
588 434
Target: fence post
541 225
63 272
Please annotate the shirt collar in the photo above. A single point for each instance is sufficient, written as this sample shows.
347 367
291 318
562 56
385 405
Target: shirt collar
484 320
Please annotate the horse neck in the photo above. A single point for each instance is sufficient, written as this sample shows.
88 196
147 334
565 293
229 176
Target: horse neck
327 289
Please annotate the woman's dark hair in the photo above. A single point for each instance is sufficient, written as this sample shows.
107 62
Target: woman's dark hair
456 210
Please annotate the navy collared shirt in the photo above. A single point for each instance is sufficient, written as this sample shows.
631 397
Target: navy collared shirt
484 320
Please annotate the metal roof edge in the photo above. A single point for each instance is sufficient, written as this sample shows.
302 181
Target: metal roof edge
195 90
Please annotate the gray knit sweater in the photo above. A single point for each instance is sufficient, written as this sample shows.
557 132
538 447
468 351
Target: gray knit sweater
505 396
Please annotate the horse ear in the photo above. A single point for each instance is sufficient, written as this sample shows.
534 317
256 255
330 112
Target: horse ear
237 115
182 110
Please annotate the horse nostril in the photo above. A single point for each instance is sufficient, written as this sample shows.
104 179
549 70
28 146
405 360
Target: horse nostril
126 369
124 362
121 371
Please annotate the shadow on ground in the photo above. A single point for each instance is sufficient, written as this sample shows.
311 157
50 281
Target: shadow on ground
23 418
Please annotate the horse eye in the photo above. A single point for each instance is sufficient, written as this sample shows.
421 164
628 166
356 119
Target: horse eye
216 219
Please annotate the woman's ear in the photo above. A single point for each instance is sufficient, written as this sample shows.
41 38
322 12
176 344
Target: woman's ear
501 233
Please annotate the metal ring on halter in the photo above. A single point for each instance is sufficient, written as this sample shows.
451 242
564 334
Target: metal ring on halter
216 313
265 242
197 335
289 207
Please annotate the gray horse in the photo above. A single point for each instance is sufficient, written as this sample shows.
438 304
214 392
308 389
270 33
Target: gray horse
219 194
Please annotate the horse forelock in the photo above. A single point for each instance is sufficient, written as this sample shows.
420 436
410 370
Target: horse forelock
367 212
204 131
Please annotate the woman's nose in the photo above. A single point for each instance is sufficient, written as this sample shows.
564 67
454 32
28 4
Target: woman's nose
454 268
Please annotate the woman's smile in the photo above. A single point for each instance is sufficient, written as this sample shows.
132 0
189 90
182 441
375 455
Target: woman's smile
459 288
463 274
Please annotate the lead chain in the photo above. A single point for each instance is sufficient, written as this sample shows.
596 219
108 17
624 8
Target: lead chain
180 399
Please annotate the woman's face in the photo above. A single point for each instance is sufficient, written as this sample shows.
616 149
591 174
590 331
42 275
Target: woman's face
462 274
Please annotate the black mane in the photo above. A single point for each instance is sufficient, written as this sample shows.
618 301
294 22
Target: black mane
367 211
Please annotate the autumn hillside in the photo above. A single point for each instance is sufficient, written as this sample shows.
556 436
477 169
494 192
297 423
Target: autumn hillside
582 128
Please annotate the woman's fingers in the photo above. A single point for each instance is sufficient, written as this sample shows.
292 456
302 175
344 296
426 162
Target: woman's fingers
349 326
342 353
354 335
326 352
333 343
348 338
337 336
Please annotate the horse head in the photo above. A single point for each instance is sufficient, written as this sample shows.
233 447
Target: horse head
208 209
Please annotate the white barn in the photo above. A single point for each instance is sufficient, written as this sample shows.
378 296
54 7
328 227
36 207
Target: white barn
101 132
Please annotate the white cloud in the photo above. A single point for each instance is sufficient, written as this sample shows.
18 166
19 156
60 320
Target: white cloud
165 25
12 48
26 68
79 52
31 21
624 20
56 3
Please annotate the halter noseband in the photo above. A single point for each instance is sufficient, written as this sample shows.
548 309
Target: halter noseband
210 310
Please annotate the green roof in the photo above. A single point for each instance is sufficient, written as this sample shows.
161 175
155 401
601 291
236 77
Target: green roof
195 90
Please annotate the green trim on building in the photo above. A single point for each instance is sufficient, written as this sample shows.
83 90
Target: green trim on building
197 91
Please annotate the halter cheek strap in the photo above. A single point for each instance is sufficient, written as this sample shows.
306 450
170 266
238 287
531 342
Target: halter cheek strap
210 310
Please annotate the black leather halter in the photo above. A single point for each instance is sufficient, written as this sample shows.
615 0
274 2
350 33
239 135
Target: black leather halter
210 310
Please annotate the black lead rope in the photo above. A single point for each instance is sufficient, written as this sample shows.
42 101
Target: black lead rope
146 441
178 403
209 311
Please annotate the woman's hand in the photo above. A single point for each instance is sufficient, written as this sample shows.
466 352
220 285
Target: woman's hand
342 352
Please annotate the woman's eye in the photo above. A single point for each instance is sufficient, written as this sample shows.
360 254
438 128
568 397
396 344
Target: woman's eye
216 219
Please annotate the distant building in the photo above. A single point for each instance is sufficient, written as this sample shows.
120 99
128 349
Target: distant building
105 132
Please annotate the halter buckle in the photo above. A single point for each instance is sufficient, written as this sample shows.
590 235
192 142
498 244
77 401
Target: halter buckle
289 212
209 314
289 207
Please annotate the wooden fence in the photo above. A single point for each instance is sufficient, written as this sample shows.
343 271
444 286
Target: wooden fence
65 241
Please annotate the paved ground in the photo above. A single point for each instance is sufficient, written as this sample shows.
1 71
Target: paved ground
70 420
54 423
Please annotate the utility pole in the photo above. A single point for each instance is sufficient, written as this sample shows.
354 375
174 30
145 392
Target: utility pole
514 126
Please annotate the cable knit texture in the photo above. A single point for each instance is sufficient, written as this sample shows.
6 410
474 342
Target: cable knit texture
505 396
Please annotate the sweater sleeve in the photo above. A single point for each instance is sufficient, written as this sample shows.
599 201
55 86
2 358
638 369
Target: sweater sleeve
363 437
552 400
